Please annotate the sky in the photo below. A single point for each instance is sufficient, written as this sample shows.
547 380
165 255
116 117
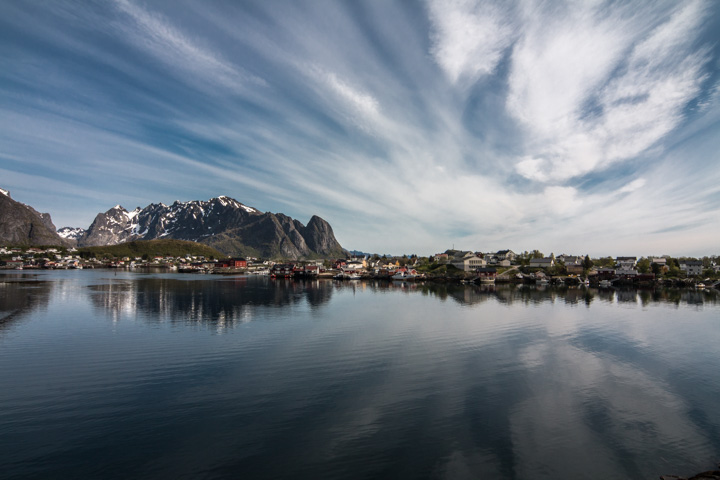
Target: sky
579 127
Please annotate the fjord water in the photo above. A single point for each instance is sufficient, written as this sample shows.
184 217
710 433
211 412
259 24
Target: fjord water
108 374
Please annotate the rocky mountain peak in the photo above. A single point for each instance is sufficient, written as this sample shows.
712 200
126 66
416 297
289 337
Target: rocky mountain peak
222 222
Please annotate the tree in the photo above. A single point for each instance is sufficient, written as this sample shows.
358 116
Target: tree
605 262
643 265
656 268
587 263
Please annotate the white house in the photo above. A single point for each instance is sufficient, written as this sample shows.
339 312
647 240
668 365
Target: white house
542 262
691 267
506 255
468 262
626 266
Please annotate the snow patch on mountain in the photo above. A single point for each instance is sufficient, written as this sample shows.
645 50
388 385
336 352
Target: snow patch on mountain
71 233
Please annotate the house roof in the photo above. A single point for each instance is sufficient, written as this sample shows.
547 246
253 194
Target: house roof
691 262
547 260
572 259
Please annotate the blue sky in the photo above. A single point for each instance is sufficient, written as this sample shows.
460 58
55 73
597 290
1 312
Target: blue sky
575 127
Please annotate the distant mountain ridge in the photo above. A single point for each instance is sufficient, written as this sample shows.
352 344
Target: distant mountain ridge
222 223
21 224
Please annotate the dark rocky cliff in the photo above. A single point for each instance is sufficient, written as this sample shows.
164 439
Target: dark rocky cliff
23 225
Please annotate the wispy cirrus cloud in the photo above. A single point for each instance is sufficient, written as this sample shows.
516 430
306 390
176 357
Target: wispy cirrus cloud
595 87
155 34
352 103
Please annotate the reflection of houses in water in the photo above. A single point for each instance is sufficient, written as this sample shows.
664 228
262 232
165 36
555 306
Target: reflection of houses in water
471 295
626 296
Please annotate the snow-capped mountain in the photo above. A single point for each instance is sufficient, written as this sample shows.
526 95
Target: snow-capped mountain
222 222
71 234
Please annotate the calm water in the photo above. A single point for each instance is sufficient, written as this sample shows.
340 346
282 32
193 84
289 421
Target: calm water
109 374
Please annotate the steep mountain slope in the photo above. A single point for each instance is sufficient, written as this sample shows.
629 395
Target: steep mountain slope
222 223
21 224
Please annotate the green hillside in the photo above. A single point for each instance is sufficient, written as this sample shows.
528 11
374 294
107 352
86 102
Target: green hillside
151 248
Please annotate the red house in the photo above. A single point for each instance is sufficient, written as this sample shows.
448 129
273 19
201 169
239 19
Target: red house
238 263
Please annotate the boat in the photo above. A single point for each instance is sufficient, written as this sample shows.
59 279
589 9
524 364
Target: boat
354 276
605 283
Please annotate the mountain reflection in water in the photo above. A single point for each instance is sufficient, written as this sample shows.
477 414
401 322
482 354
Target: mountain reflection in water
222 301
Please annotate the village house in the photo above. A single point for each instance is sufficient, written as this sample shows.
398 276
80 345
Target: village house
238 263
691 267
441 257
626 266
354 265
486 273
573 263
505 255
546 262
468 262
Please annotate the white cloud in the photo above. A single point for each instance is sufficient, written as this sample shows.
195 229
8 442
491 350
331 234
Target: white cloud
469 37
593 87
532 168
634 185
362 102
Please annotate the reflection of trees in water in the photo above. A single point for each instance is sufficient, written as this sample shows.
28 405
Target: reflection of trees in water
529 294
507 294
225 301
19 296
676 296
688 296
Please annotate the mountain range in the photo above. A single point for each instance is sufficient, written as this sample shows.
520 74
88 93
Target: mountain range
222 223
